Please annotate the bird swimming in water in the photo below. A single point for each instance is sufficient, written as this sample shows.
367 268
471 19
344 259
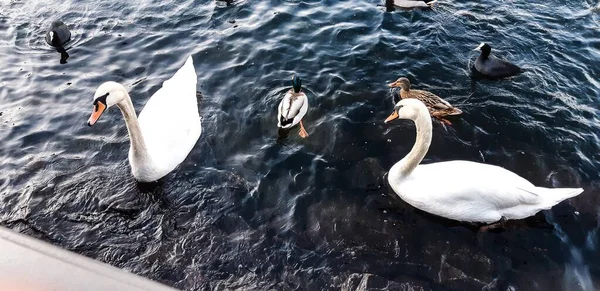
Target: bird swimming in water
491 66
293 107
58 34
408 4
438 107
463 190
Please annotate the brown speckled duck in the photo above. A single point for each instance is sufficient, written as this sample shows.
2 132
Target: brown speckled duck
437 106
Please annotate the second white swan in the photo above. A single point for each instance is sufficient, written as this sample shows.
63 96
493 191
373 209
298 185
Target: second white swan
167 129
463 190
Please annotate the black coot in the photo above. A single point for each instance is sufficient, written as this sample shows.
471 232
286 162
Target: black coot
493 67
58 34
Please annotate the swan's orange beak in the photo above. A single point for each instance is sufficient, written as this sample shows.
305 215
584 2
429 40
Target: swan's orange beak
393 116
98 110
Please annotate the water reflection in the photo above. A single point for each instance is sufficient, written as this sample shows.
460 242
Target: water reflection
283 133
389 5
291 212
63 54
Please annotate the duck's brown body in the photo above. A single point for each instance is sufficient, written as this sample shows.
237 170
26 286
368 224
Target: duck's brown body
437 106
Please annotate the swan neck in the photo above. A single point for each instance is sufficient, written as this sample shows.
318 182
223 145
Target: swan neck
138 145
404 167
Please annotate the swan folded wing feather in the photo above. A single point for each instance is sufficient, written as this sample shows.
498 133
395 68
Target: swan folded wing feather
410 3
170 121
469 191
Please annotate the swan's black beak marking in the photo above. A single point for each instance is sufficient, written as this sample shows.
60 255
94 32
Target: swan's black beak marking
99 108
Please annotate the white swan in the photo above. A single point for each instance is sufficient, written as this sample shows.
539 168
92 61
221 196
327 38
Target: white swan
413 3
462 190
293 107
167 128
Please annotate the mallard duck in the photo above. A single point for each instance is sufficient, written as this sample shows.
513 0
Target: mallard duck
437 106
58 34
293 107
167 129
463 190
491 66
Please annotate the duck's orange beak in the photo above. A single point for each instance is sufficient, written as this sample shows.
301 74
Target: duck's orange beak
98 110
393 85
393 116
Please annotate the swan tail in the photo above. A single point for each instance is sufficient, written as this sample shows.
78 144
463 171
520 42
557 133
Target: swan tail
185 77
189 61
552 196
430 3
188 67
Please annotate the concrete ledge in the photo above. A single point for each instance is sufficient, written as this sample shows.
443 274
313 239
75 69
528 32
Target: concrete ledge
28 264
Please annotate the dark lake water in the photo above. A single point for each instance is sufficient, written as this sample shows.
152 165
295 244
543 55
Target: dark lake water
246 211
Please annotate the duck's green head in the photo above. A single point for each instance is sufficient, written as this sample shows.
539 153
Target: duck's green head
297 83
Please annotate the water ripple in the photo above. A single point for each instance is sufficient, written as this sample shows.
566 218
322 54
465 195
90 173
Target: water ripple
249 210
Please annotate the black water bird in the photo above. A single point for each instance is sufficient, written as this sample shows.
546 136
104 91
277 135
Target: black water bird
493 67
58 34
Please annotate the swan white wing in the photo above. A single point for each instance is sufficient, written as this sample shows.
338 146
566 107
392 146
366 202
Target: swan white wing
469 191
410 4
170 122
